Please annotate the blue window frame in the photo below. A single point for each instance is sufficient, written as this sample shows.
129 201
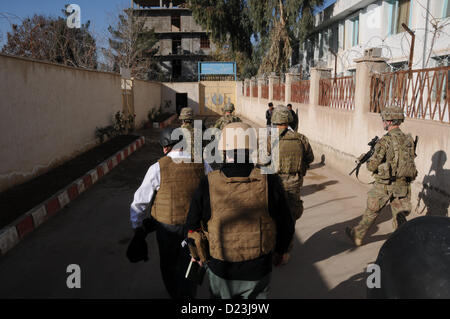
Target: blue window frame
446 9
355 31
400 11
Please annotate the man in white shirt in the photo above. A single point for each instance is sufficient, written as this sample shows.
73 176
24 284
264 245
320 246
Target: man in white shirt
168 187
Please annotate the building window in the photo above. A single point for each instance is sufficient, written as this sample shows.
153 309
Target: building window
334 38
400 12
204 42
176 69
176 22
399 66
446 11
442 76
355 31
176 45
342 36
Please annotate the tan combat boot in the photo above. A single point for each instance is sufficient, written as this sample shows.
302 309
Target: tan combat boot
351 234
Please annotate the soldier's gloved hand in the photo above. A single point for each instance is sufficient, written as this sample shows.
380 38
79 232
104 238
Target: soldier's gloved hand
137 249
149 225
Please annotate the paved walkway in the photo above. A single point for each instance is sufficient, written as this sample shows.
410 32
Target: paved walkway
94 232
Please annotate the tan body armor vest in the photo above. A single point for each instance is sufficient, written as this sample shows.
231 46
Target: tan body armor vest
178 183
240 227
291 153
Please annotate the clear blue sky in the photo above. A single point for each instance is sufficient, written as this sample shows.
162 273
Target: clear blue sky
99 12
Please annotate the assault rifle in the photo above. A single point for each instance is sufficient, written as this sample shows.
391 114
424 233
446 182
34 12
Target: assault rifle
366 156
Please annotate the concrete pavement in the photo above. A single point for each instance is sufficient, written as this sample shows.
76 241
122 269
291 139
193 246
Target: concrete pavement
94 232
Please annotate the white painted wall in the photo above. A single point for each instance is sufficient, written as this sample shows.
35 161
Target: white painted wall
49 113
374 31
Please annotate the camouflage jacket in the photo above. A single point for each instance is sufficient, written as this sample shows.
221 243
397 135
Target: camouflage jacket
189 127
393 158
308 154
226 119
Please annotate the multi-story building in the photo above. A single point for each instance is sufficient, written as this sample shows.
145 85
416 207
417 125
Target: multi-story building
182 42
349 27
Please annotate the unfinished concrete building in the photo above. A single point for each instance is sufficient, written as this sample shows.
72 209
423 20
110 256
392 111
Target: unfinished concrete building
182 42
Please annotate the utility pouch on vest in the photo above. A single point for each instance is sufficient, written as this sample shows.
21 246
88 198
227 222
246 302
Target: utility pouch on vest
198 246
384 171
403 162
399 190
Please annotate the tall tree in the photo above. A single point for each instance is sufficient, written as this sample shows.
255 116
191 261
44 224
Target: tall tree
229 23
131 46
281 25
49 39
262 33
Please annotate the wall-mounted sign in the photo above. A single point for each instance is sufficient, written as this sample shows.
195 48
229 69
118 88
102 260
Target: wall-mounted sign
216 68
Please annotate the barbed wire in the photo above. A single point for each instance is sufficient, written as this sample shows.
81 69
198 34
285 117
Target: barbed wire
395 47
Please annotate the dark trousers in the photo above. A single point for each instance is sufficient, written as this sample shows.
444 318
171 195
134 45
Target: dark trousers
174 261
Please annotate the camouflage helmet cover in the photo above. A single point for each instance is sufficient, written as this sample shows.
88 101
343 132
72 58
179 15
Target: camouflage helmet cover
281 115
392 113
229 107
186 113
233 137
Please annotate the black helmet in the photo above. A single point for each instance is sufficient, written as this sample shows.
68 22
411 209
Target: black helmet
415 261
165 137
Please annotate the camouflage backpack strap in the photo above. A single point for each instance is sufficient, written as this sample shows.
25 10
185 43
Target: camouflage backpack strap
395 143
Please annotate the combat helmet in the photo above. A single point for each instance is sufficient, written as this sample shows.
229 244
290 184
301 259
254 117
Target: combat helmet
186 114
165 137
281 115
392 113
232 137
229 107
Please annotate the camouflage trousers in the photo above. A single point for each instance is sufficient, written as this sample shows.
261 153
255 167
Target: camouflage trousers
291 185
399 197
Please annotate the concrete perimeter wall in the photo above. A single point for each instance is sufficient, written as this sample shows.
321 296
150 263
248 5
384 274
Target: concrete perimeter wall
147 96
169 91
49 113
342 135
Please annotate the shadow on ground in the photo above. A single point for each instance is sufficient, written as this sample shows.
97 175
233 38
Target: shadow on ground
301 278
312 188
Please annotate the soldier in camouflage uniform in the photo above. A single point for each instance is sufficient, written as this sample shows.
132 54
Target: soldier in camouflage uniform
393 168
227 117
187 118
295 155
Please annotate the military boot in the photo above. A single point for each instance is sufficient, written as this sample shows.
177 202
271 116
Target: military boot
398 220
351 234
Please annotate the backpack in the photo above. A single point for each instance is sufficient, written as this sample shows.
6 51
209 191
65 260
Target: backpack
402 165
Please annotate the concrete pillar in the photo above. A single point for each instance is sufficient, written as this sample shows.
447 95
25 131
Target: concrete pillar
364 69
316 75
287 87
272 79
252 83
246 85
260 84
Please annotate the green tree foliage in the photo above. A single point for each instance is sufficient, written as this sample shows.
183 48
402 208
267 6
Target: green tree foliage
229 23
281 26
131 46
276 27
49 39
